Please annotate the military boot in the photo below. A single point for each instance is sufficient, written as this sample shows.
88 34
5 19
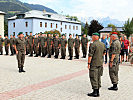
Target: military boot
22 70
94 93
70 58
115 88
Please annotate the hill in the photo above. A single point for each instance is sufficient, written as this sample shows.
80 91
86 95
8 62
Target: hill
12 7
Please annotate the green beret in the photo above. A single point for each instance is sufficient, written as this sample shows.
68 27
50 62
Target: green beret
30 32
49 33
20 33
63 34
96 34
70 34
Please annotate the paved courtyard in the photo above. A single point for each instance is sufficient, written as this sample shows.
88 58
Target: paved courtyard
51 79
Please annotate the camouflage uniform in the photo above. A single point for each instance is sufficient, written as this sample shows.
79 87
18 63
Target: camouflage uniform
84 42
7 42
70 47
1 45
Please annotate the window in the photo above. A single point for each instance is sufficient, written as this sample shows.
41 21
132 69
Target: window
69 26
45 25
76 27
61 29
65 26
73 27
61 23
51 25
13 33
14 25
26 24
56 25
40 24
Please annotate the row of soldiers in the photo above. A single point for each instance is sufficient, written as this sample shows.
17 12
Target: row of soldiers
42 44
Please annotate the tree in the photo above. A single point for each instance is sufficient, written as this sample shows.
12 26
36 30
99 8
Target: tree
111 25
128 28
95 26
86 28
5 28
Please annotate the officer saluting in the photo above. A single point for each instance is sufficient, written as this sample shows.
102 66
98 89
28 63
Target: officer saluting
114 60
20 51
95 64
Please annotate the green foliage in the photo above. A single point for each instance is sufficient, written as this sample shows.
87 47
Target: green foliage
86 28
53 32
5 28
111 25
73 17
95 26
128 28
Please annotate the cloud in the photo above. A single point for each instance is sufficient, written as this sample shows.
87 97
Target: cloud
117 9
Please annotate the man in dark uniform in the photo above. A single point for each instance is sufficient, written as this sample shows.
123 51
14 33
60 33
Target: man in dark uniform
34 51
56 45
31 43
114 52
53 37
12 45
39 37
70 46
43 44
36 44
84 43
20 51
27 45
77 46
63 45
1 45
49 45
95 64
7 42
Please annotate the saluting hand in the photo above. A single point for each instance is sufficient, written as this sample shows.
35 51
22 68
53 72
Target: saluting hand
88 66
110 64
16 52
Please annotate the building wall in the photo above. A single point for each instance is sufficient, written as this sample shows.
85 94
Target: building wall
20 26
34 26
2 25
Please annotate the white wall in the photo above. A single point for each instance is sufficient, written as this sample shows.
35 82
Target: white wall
2 25
34 26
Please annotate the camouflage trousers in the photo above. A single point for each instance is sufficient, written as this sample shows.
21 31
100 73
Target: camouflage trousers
113 73
21 58
49 50
1 49
84 50
12 49
95 74
31 49
36 50
56 50
70 49
6 49
63 51
77 51
43 50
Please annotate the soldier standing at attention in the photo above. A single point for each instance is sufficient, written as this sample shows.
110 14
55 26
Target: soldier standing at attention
95 64
43 44
70 46
39 37
12 45
27 45
77 46
63 46
56 44
1 45
20 51
34 51
49 45
84 43
7 42
53 37
31 43
114 52
36 44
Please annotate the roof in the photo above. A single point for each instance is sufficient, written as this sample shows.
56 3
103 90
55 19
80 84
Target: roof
3 13
109 29
44 15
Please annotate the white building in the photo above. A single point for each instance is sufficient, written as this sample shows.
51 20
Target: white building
40 21
2 23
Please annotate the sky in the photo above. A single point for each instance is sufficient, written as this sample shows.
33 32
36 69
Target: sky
115 9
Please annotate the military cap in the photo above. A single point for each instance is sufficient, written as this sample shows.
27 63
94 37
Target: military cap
77 35
49 33
63 34
30 32
70 34
97 34
20 33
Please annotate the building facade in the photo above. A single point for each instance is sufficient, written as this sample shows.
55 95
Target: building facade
40 21
2 23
